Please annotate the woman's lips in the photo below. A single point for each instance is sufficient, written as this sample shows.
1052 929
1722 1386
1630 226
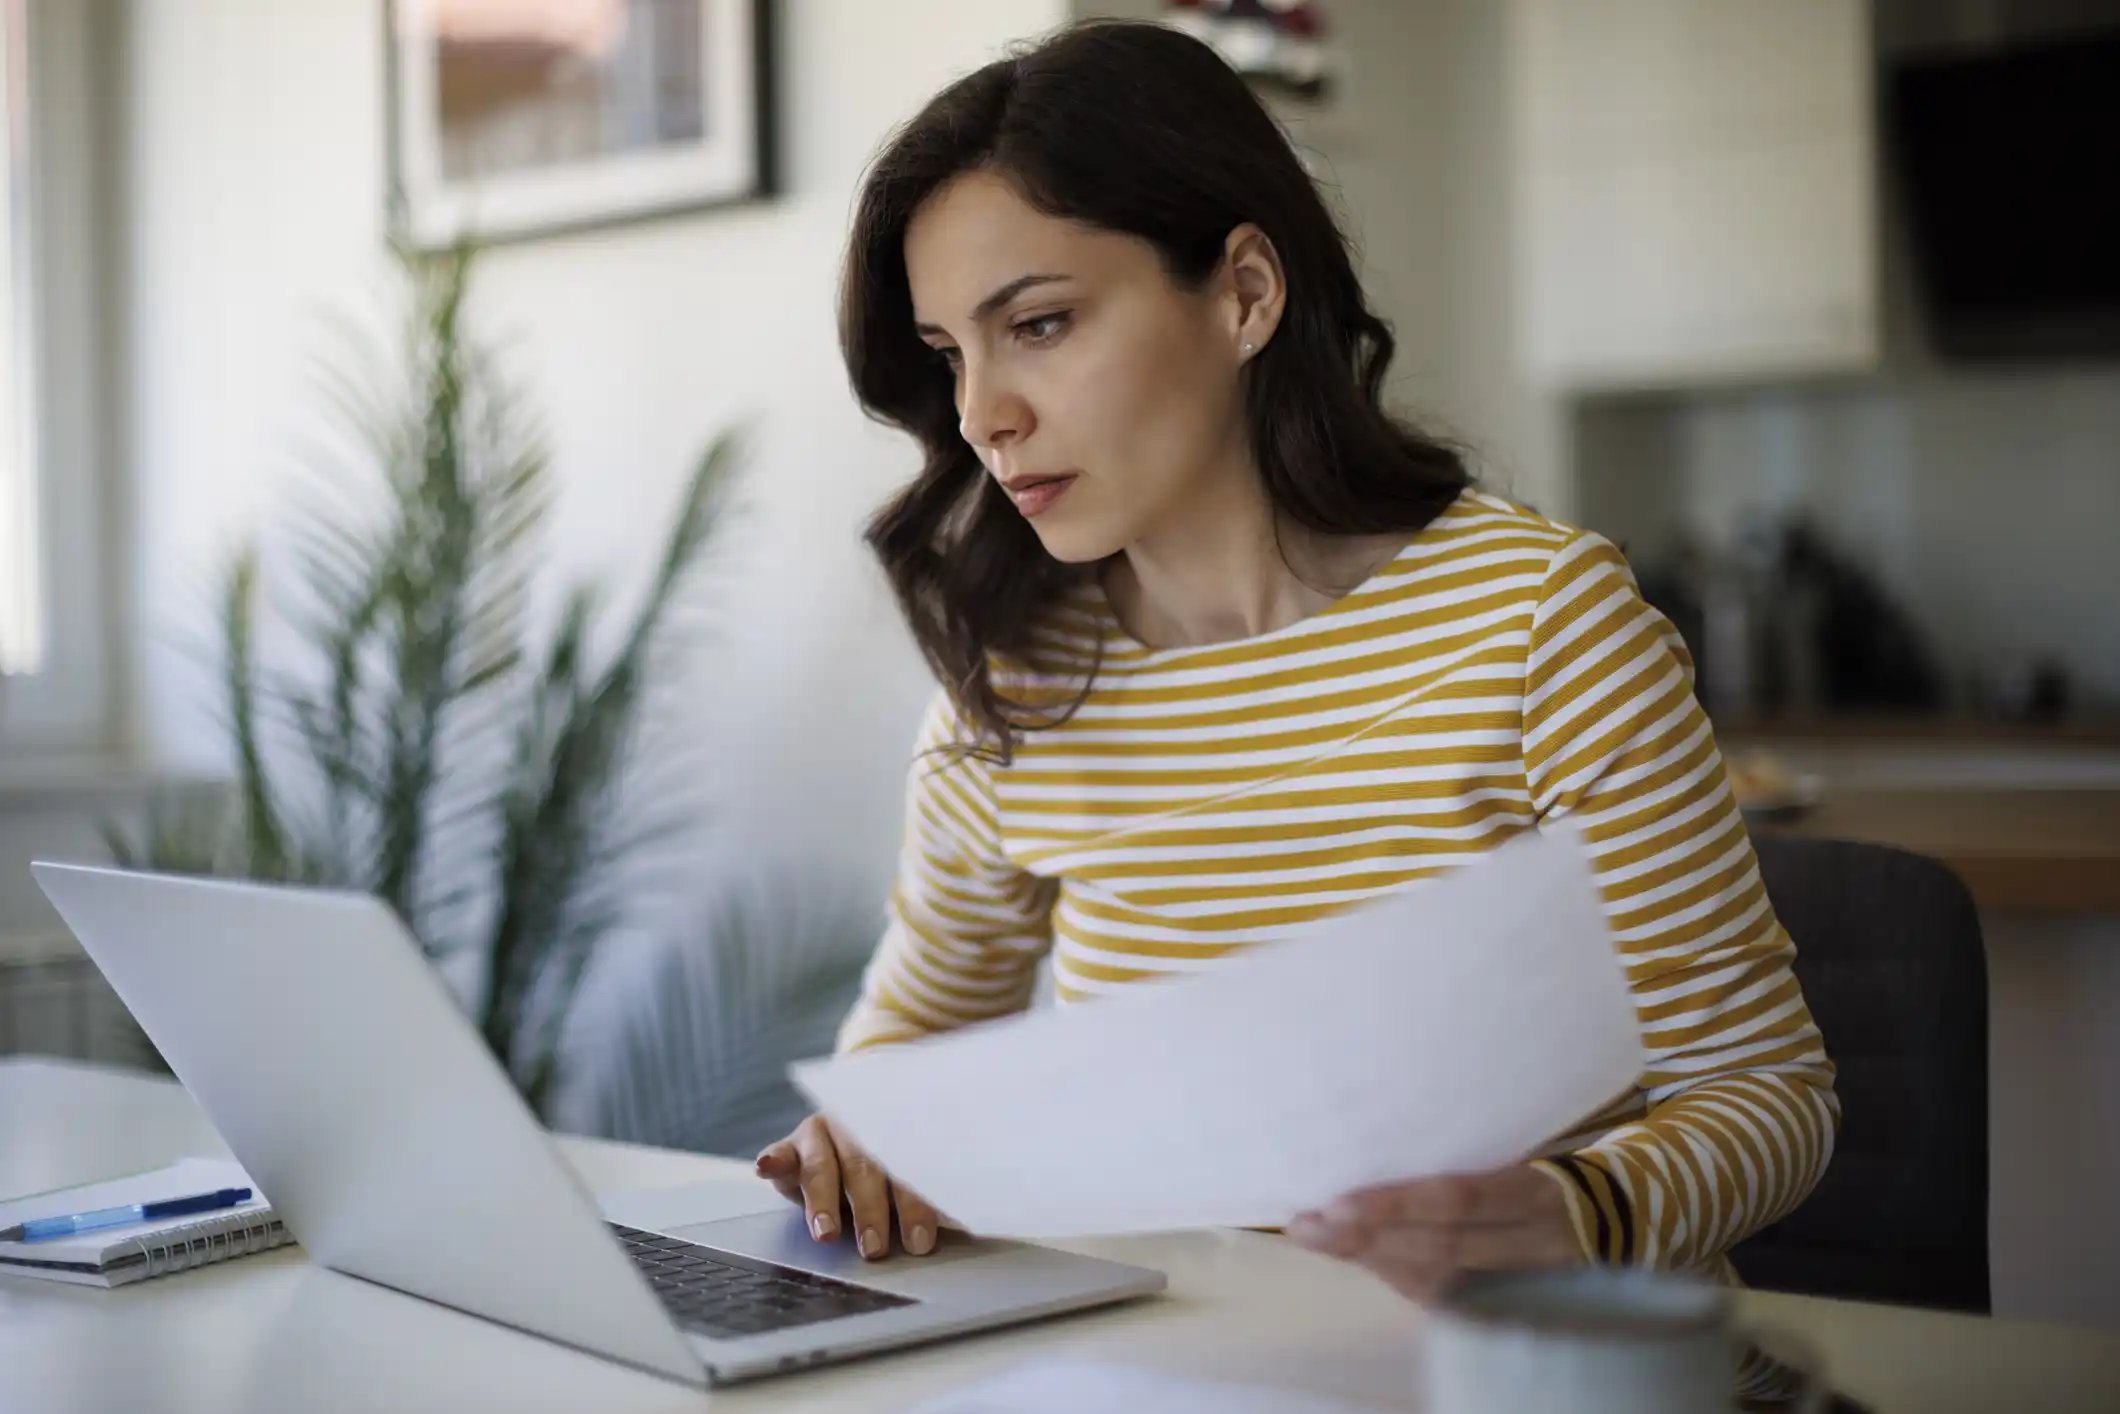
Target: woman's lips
1038 497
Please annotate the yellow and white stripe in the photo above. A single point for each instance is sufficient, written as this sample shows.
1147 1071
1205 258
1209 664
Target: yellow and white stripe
1500 672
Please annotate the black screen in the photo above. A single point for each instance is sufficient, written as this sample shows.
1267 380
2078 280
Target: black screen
2009 165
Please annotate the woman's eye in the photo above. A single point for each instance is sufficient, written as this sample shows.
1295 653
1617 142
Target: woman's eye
1044 328
1038 330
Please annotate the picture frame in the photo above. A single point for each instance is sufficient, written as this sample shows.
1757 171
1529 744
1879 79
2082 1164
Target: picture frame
514 119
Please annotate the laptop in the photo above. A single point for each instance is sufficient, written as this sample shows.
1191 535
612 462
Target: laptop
341 1073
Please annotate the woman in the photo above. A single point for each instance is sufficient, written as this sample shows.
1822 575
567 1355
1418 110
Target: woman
1227 649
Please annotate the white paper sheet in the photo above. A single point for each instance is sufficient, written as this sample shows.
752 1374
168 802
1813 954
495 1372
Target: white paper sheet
1452 1026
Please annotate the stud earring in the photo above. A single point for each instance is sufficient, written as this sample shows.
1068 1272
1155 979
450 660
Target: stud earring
1247 350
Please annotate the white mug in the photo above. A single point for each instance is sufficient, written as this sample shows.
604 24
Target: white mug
1590 1340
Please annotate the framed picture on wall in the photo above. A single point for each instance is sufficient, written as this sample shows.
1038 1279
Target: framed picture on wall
518 118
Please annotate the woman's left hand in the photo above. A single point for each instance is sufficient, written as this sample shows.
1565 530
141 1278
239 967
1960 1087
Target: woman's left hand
1420 1236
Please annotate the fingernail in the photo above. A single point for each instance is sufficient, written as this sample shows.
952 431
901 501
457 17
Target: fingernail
871 1242
824 1227
921 1240
1320 1233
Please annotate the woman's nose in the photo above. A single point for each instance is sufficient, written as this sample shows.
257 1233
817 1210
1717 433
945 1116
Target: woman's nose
991 415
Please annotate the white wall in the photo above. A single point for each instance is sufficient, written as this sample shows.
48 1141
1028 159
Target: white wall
254 187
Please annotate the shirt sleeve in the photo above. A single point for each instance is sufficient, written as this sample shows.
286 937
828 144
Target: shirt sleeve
1740 1109
967 928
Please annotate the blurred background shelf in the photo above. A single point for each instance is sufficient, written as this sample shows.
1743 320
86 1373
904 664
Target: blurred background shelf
2028 851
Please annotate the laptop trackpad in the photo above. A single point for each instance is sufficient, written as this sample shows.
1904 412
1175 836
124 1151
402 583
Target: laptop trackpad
781 1238
777 1237
662 1209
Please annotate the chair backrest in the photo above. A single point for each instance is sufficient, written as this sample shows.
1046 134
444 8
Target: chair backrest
1889 953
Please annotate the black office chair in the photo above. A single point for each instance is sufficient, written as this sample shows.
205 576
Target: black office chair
1889 953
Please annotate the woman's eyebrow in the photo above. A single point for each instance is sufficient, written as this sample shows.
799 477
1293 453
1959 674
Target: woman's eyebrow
995 300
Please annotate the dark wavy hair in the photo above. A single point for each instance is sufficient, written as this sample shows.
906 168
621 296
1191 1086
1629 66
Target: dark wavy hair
1136 128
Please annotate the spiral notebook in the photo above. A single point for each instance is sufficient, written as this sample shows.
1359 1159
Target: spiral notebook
121 1255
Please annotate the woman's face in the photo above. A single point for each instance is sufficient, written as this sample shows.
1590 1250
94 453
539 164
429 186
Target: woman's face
1079 365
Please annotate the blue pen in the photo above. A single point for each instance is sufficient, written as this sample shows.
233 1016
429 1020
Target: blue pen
44 1229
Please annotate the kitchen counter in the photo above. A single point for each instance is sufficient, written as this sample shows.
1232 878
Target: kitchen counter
2027 814
2092 729
2018 850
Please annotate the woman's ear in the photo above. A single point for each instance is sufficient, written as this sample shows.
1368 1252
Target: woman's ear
1255 289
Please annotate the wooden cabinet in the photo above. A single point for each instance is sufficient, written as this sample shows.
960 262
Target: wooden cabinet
1695 190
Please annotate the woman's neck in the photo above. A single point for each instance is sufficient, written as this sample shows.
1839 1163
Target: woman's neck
1221 574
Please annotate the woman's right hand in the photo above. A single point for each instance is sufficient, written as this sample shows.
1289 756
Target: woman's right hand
819 1166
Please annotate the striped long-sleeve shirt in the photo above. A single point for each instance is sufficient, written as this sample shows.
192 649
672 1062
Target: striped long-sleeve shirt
1500 672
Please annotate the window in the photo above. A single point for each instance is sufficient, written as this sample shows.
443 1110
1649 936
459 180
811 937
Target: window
55 640
21 560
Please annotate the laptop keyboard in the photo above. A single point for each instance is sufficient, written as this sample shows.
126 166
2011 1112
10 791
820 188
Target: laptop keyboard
719 1294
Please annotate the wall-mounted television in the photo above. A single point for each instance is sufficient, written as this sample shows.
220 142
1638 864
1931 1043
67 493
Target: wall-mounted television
2008 167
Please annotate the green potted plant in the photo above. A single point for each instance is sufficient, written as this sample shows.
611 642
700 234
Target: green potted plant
422 747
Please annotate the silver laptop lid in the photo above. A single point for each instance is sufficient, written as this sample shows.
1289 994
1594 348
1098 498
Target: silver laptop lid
326 1051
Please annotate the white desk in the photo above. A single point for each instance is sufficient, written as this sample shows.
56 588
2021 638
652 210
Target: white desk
273 1333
